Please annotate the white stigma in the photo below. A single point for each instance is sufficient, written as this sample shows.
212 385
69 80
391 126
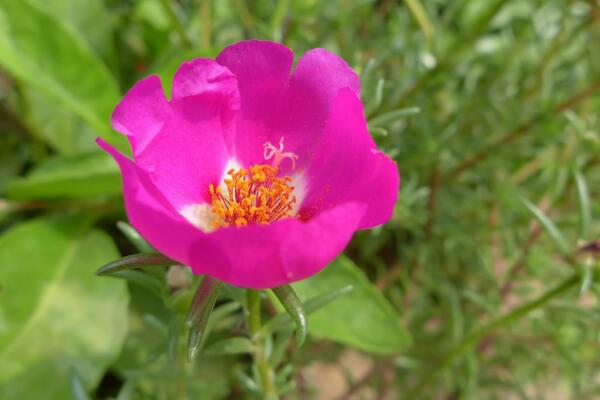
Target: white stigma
278 155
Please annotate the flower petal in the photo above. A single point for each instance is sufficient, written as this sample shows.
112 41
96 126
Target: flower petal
275 105
265 256
257 256
316 81
348 167
150 212
201 76
306 103
142 113
262 69
190 152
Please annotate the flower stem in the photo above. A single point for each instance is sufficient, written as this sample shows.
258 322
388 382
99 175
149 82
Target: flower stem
254 324
479 334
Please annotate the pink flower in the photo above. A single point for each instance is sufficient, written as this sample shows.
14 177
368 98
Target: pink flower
249 174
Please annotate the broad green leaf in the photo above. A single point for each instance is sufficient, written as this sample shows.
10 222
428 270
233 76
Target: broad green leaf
84 175
55 314
56 125
362 318
89 18
40 50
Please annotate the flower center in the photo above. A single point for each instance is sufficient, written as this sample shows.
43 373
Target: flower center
256 195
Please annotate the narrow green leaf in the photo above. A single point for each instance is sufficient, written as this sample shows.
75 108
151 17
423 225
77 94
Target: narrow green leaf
157 324
287 387
549 226
245 381
587 277
379 92
134 237
280 345
293 306
284 374
283 320
142 279
418 11
77 386
278 18
126 391
236 345
134 261
374 104
378 131
175 325
585 208
223 311
389 117
200 310
473 338
168 7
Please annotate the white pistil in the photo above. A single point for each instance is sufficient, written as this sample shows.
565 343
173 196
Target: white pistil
278 155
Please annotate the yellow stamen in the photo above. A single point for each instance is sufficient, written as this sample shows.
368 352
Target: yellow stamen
253 196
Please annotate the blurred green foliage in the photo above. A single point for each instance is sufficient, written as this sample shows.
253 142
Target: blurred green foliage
490 109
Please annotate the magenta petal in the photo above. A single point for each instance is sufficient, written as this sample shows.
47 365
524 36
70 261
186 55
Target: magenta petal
226 110
150 212
203 76
306 103
262 69
191 151
256 256
188 155
314 85
348 167
318 77
263 257
142 113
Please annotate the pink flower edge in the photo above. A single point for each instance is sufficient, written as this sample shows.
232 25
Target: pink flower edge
221 113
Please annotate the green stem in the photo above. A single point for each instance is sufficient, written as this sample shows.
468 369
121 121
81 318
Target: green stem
475 337
262 365
185 39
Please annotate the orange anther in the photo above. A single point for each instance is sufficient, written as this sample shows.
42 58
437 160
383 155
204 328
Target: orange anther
254 196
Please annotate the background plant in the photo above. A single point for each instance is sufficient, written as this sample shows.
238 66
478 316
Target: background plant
490 109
